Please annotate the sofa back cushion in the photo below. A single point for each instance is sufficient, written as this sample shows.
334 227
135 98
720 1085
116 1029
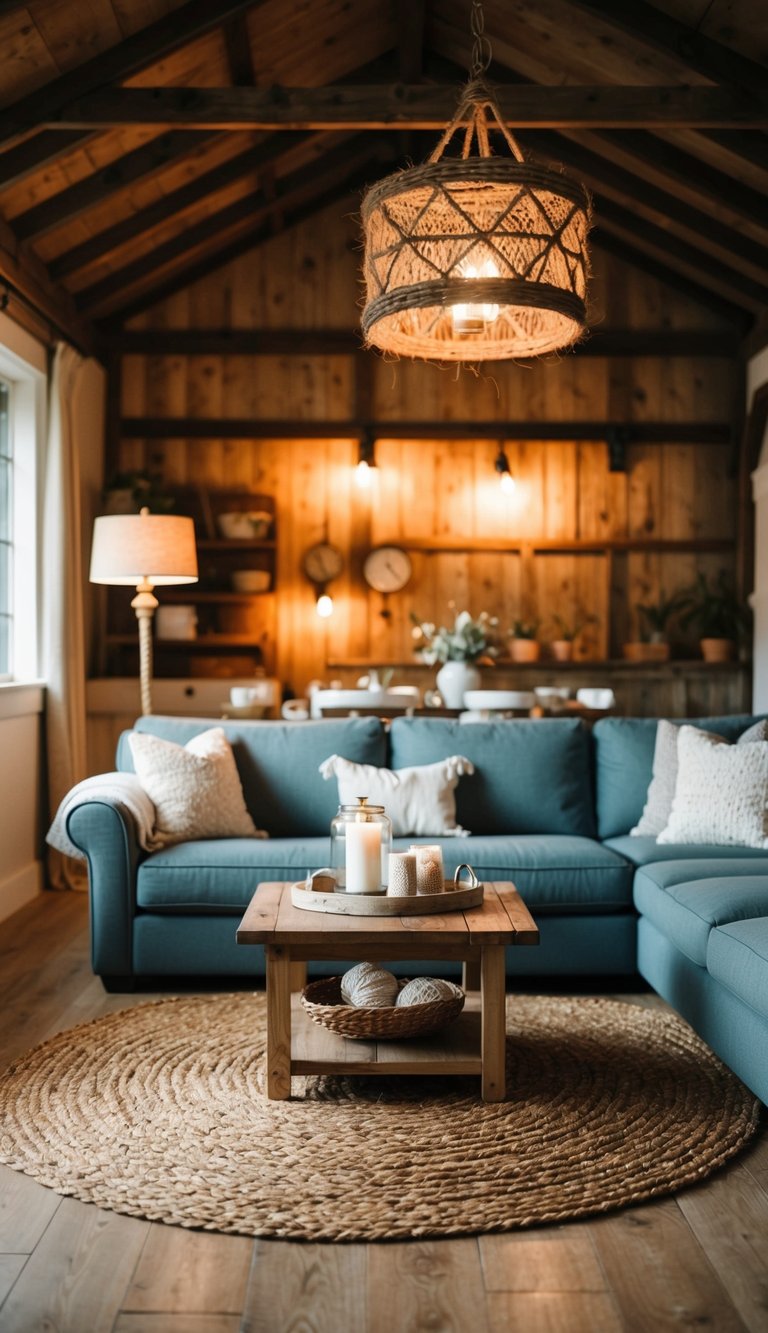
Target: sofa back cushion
530 776
624 748
278 764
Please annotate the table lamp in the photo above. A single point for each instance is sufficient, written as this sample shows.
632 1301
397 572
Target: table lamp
143 551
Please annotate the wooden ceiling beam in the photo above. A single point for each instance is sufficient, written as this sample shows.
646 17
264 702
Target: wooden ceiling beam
627 251
690 172
222 255
329 171
747 144
648 25
605 175
126 58
26 278
172 204
411 18
681 255
413 107
237 40
36 152
137 165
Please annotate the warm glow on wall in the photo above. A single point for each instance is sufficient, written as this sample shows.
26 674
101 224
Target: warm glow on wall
504 472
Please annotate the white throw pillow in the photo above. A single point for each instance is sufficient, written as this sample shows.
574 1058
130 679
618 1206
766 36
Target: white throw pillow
419 801
195 788
658 802
721 795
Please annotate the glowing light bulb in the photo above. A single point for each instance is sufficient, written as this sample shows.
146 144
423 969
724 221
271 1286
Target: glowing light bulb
363 474
507 483
324 606
471 318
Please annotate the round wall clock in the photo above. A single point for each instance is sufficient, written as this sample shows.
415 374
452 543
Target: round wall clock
322 563
387 568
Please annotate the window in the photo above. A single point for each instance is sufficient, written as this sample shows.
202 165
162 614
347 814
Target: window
6 531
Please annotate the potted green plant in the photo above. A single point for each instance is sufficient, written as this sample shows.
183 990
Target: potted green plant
457 647
568 631
523 644
713 610
654 618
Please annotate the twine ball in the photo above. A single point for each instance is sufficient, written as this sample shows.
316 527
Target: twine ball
367 986
424 990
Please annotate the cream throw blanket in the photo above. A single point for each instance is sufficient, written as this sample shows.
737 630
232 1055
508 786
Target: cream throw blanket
118 789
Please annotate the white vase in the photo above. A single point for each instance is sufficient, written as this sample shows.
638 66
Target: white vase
453 679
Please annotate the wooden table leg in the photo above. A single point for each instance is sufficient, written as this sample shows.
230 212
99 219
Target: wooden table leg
493 1022
470 974
298 976
278 1023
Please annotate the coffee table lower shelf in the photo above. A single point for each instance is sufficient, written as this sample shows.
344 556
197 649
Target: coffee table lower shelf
455 1050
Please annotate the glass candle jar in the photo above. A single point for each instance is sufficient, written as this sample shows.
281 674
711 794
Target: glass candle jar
361 837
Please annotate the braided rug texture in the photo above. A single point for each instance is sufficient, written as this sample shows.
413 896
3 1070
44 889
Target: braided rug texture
158 1111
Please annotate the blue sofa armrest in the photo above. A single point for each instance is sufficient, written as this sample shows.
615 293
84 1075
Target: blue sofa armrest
106 833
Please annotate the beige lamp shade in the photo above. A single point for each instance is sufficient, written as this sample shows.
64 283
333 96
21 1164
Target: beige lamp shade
128 548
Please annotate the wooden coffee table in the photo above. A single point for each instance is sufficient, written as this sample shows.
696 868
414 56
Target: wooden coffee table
477 937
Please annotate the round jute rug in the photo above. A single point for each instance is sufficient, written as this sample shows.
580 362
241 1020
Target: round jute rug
158 1111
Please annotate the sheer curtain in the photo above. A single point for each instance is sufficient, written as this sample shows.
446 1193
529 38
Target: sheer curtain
63 620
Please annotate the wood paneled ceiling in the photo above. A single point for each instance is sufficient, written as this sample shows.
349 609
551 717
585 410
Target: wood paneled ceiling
143 143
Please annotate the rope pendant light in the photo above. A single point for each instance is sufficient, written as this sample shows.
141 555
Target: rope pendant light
477 258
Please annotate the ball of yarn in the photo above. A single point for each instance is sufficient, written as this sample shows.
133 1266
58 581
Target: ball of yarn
424 990
367 986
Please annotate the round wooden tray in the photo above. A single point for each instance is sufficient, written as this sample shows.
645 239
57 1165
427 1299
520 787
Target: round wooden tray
378 904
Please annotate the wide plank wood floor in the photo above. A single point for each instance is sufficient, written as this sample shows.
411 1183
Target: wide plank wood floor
700 1261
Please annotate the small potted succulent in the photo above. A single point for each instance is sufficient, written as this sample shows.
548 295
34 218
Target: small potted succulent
654 618
568 631
523 644
713 610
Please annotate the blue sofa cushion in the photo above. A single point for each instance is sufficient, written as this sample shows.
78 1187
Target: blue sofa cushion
643 851
221 877
687 900
278 764
737 957
530 776
624 764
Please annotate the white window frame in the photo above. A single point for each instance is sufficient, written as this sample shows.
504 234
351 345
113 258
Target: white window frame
23 364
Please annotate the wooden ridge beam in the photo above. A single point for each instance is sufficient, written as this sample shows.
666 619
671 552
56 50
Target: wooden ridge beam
239 428
652 27
143 48
172 204
412 107
346 342
329 171
139 164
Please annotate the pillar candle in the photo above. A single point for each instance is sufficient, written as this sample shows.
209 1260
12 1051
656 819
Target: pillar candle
363 857
401 881
429 868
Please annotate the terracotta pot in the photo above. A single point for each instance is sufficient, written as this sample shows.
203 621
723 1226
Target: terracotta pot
562 650
524 650
646 652
718 650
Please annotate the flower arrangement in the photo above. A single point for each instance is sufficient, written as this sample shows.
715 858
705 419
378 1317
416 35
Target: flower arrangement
468 640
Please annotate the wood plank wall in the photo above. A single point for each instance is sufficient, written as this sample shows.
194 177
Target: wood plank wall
433 492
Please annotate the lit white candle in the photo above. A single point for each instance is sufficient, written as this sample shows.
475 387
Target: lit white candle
363 856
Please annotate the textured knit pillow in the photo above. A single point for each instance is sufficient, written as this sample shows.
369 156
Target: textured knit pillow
195 788
721 794
418 800
658 802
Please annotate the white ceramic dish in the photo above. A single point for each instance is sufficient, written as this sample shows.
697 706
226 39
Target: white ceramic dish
250 580
405 696
245 525
599 698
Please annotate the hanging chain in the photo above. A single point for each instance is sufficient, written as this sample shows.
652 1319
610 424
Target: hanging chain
481 47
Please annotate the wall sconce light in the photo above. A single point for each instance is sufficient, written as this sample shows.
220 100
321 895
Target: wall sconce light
321 564
502 468
366 459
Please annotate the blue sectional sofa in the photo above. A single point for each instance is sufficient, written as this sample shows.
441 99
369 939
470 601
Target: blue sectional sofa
549 805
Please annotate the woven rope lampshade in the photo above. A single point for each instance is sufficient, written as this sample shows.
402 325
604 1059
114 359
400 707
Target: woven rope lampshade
475 258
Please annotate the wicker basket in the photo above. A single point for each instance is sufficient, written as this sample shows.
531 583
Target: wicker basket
322 1001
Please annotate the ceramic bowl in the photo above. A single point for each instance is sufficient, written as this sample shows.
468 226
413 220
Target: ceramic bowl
250 580
245 525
